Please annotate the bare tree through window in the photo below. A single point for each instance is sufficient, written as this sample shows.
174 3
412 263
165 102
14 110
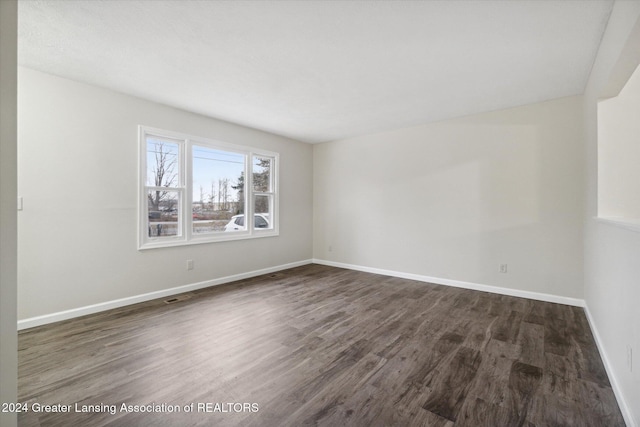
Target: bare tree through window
163 173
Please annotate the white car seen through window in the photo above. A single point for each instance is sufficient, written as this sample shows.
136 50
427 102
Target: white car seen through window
237 222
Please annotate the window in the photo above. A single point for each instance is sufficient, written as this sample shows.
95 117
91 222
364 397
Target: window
194 190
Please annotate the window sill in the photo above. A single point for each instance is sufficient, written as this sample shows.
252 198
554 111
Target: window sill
201 241
632 224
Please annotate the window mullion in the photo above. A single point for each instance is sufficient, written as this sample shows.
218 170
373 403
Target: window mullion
187 211
154 188
249 197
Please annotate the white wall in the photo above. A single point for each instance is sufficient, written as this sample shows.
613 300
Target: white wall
612 254
456 199
77 173
619 153
8 184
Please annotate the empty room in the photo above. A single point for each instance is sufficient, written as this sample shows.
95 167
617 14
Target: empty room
331 213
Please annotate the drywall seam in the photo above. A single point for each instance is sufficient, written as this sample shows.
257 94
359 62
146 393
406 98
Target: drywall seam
459 284
96 308
617 390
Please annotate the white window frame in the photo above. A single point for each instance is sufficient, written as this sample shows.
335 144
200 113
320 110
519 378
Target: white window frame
185 191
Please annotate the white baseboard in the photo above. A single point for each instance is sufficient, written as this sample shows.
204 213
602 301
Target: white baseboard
622 403
459 284
96 308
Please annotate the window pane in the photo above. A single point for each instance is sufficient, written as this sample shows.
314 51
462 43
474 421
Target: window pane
213 222
263 211
162 163
260 222
163 213
218 190
262 174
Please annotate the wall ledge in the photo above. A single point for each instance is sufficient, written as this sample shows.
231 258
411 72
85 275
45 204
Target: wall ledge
632 224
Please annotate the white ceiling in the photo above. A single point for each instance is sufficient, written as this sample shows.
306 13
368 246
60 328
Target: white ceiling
320 70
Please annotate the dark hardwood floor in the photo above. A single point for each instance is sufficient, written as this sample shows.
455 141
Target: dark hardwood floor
317 345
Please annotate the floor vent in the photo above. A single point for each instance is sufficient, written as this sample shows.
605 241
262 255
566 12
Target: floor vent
179 298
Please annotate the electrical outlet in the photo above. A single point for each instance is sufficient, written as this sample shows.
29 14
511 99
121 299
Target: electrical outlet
189 264
630 358
330 248
503 268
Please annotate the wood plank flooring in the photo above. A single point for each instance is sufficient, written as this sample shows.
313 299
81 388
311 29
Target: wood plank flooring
318 345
